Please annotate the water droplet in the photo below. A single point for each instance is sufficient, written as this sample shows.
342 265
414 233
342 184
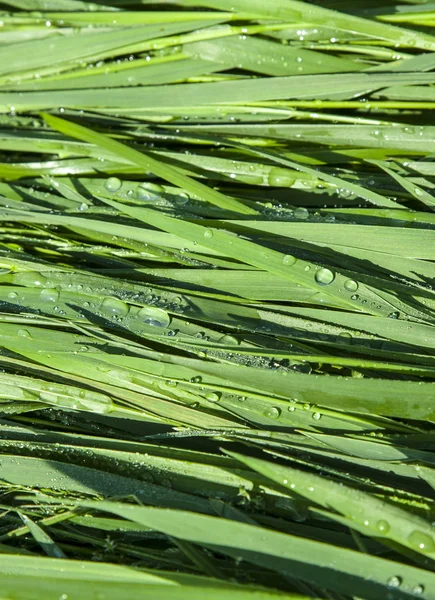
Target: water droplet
242 398
279 178
354 297
345 335
23 333
154 316
421 541
383 526
49 295
272 412
83 206
30 279
114 307
149 191
351 285
182 198
12 295
196 379
301 213
324 276
394 315
208 233
289 260
212 397
113 184
418 589
317 416
394 582
228 340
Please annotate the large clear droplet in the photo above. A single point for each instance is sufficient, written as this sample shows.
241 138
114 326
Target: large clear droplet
418 590
394 582
49 295
24 333
351 285
383 526
154 316
324 276
113 184
228 340
280 178
289 260
114 307
30 279
301 213
149 191
272 412
421 541
212 397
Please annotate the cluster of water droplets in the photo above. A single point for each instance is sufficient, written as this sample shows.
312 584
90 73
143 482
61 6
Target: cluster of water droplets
56 298
146 192
150 315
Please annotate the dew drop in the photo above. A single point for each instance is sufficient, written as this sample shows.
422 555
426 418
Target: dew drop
149 191
301 213
113 184
289 260
317 416
345 335
228 340
196 379
49 295
208 233
394 315
114 307
96 403
24 333
156 317
394 582
12 295
272 412
324 276
30 279
421 541
213 397
351 285
383 526
354 297
418 589
279 178
182 198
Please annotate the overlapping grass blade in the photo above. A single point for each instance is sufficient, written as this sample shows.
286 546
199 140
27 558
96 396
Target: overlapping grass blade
216 300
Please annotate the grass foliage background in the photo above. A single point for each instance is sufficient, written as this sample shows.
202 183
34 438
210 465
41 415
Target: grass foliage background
217 246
